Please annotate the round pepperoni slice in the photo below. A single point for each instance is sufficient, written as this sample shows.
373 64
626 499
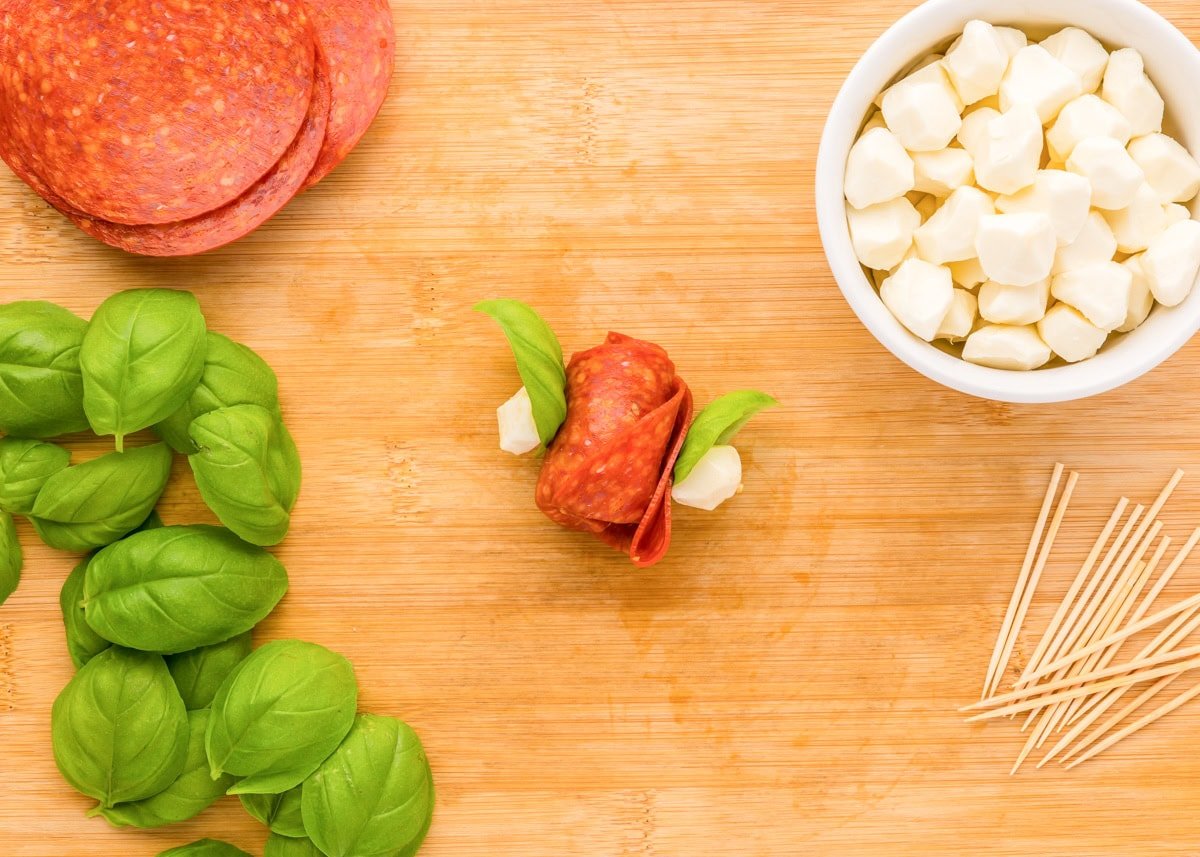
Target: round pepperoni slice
153 111
359 40
241 217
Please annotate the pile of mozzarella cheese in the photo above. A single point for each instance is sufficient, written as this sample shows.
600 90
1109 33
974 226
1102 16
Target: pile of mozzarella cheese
1021 199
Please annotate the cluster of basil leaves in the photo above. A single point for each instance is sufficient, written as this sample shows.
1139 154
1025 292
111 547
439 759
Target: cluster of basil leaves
539 360
158 739
146 360
170 707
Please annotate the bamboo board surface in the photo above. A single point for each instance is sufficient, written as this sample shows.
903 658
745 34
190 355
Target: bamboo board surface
786 682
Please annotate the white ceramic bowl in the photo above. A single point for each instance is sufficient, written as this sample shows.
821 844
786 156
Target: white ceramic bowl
1172 62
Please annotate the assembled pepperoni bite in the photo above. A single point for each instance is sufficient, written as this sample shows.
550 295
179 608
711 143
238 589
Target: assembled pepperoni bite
608 470
617 428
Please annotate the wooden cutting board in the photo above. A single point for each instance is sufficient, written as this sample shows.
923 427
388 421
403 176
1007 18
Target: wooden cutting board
786 682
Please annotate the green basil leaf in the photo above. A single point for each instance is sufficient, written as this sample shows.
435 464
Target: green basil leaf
539 362
25 465
142 358
175 589
192 792
153 521
119 728
233 375
717 424
286 846
41 390
248 471
95 503
280 813
11 558
288 687
374 795
83 643
199 673
205 848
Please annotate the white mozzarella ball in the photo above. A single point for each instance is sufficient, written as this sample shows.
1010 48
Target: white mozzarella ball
967 273
518 431
960 318
1127 88
1115 177
1012 39
1172 261
1016 249
1064 197
1137 224
1071 336
1014 304
1094 243
919 295
949 235
1004 346
1100 292
1170 169
939 173
1009 152
977 62
1175 213
974 127
1081 53
883 233
1141 301
1086 116
1036 78
923 110
928 69
715 478
878 169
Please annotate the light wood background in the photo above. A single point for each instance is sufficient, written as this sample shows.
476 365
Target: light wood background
785 683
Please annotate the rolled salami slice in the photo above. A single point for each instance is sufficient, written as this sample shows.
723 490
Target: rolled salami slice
608 471
359 40
152 111
240 217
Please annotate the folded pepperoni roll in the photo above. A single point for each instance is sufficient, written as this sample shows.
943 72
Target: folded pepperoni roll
608 470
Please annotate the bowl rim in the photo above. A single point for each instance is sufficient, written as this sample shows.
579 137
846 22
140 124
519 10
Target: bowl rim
1056 384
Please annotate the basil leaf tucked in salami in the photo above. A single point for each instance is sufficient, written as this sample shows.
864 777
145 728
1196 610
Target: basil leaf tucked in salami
717 424
539 361
608 471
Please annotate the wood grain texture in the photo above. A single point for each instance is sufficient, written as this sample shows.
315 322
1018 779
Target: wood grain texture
785 683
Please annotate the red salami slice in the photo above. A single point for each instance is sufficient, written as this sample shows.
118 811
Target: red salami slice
359 39
239 218
153 111
608 471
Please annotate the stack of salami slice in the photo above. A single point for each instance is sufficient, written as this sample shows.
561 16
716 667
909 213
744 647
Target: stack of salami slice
173 127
